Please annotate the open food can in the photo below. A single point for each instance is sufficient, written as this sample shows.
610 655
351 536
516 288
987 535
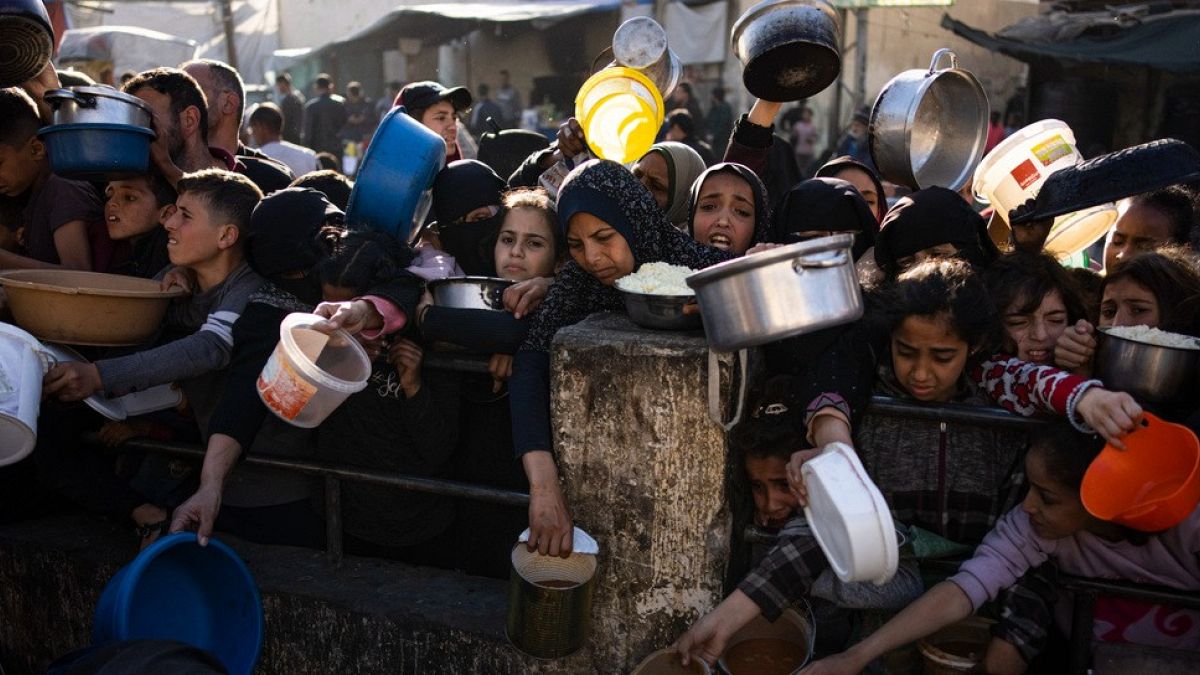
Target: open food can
550 598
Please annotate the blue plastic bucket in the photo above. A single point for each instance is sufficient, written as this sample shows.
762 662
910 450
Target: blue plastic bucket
97 152
401 162
178 590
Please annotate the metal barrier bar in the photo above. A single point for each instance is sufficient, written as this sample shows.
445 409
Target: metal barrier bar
435 486
462 363
333 520
950 412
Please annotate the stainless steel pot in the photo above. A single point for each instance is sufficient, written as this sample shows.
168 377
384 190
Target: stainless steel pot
641 43
469 292
789 49
780 293
663 312
930 127
98 105
1152 373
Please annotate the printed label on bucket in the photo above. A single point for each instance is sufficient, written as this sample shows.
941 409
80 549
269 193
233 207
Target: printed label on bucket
283 390
1025 174
1051 150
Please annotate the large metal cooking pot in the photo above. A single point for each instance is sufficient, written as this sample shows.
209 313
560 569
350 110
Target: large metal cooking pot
469 292
641 43
1152 373
98 105
98 133
930 127
27 43
780 293
788 48
391 190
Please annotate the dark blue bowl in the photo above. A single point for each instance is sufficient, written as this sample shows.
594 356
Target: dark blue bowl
97 152
400 164
178 590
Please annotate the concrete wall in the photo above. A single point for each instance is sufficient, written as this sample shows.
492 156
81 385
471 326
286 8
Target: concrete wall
645 473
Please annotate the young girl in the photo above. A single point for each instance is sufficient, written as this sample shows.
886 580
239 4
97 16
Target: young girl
1052 525
865 180
1036 299
954 482
1149 289
611 225
527 250
728 208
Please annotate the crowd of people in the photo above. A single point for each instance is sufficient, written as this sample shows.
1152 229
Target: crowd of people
253 234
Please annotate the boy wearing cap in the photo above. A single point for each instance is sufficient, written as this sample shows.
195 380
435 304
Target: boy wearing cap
437 107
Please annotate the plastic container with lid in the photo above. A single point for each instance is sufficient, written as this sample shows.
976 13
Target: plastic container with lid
310 373
849 517
621 112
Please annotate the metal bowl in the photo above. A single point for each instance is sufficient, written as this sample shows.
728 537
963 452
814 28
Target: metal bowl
98 105
661 312
1151 373
469 292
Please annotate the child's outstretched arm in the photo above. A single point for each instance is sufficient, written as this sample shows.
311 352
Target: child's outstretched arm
940 606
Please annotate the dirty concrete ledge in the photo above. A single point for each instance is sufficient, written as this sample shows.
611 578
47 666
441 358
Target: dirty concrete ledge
370 616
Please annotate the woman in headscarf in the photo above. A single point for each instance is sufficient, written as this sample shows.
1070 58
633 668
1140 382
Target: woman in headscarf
611 225
861 177
931 223
821 207
467 203
728 208
668 171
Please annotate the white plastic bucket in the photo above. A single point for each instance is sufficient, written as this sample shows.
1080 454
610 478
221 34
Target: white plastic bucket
310 373
22 366
1014 171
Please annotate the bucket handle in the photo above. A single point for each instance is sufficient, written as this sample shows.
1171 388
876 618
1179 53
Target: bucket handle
938 55
801 264
714 390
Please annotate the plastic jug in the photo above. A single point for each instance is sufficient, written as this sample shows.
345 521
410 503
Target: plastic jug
620 111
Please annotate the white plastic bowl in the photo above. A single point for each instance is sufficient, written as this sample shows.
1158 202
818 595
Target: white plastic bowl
849 517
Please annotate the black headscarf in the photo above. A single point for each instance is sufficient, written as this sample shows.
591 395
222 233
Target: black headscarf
762 209
610 192
828 205
459 189
285 238
833 167
929 218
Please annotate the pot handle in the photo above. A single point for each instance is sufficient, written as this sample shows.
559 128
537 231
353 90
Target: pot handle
714 390
801 264
80 100
938 55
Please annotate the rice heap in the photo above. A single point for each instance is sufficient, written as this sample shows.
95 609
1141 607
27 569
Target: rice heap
1154 336
657 278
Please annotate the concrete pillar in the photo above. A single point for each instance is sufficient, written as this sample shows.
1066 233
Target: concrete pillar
645 474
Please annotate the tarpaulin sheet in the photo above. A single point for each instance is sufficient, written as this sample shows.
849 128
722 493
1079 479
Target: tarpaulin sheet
1169 42
697 34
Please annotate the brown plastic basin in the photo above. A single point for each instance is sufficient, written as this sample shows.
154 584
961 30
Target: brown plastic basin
86 308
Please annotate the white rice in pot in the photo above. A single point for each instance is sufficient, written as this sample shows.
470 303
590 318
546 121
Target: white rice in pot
1154 336
657 278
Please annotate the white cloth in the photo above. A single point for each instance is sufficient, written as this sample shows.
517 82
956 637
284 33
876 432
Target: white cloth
298 158
690 31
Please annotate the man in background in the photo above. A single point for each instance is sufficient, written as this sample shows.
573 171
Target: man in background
291 105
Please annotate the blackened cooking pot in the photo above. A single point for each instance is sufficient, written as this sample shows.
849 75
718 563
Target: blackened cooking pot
26 40
788 48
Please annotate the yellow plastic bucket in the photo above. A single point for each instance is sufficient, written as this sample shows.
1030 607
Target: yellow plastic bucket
620 111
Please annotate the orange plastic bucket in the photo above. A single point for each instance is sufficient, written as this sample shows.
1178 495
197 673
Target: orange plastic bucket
620 111
1152 485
